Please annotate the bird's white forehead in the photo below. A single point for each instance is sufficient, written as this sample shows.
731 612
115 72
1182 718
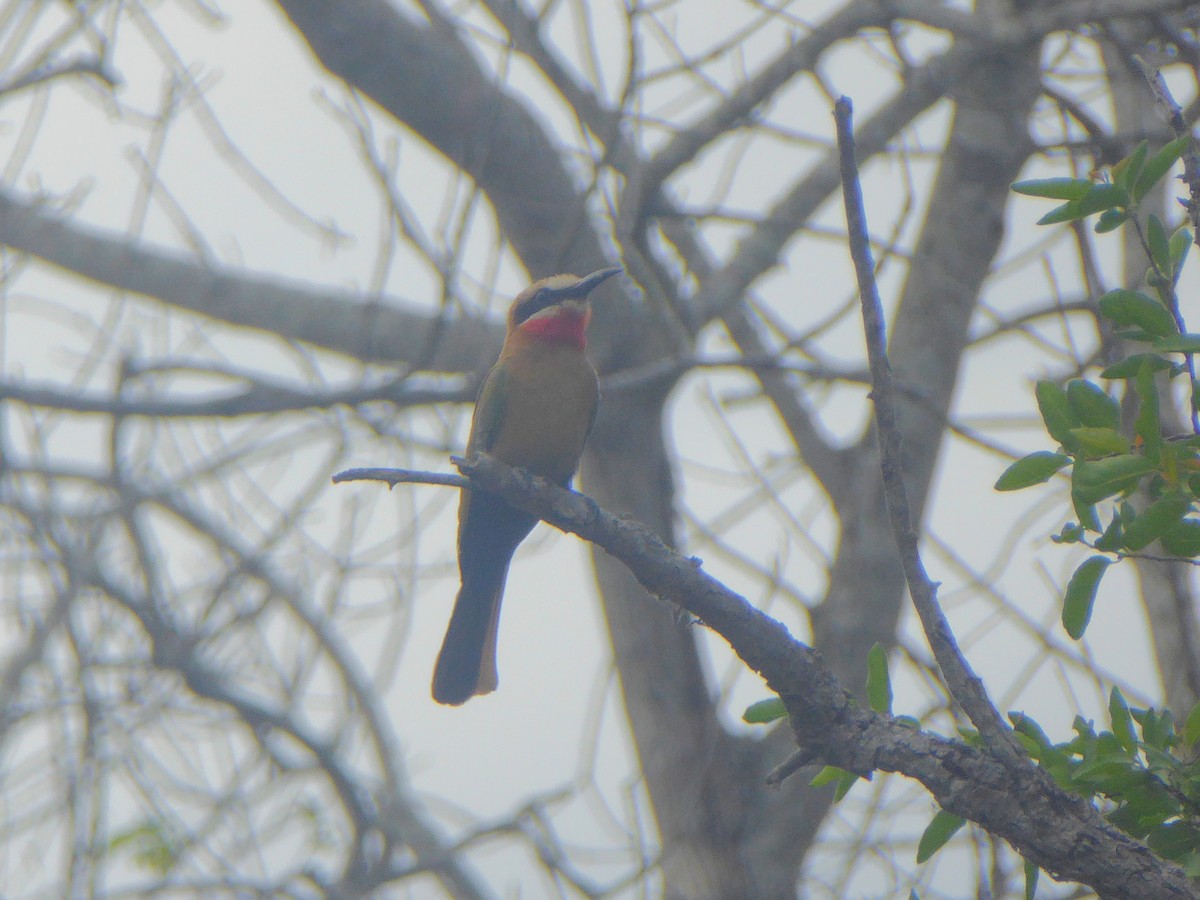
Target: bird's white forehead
560 281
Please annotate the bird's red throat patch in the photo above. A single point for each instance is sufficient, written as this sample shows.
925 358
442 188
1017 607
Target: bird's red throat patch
565 326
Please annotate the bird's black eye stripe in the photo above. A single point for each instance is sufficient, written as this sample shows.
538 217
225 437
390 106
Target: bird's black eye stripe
532 304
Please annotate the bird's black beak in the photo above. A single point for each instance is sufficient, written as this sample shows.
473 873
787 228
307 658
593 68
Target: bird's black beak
587 284
548 296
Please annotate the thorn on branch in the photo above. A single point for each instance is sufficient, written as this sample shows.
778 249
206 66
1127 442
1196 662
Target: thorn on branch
790 766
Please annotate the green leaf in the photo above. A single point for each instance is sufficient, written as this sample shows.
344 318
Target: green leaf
1130 366
1095 479
1125 173
765 711
1126 511
1160 249
1085 509
1024 725
1128 820
1156 520
1135 309
827 775
1179 343
1110 772
1158 729
1084 728
1036 468
879 683
1111 220
847 781
1157 166
1072 533
1113 538
1068 212
1054 188
832 774
1091 405
1081 595
1191 726
971 736
1122 721
1181 243
1174 839
1031 880
1183 539
943 827
1101 441
1101 197
1148 424
1056 413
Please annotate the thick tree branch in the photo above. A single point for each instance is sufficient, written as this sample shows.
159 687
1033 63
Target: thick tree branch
334 320
1058 831
256 399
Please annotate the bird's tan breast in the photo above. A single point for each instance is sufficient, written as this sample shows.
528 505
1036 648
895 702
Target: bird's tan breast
551 394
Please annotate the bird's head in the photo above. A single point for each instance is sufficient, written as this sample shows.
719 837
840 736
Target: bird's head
556 308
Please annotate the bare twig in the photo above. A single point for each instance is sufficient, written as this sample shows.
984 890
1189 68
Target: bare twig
393 477
82 65
1174 116
962 682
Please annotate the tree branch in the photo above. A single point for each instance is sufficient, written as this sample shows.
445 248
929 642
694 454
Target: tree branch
260 398
1058 831
335 320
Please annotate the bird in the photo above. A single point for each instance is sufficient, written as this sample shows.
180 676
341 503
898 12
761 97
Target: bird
534 411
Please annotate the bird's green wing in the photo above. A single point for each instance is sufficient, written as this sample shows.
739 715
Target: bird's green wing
489 411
